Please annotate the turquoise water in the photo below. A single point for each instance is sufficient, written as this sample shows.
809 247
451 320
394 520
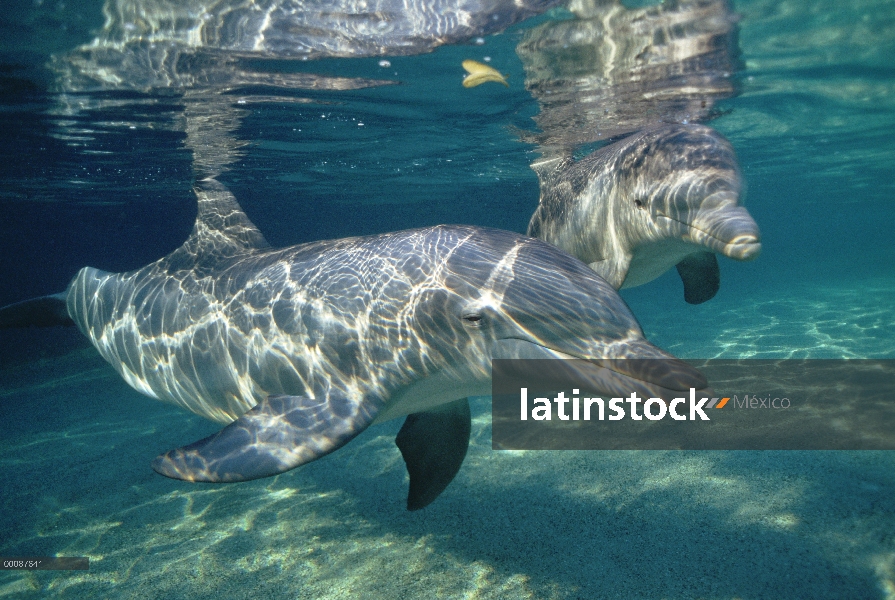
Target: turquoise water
104 180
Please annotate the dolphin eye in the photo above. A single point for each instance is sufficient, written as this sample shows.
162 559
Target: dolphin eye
473 318
640 204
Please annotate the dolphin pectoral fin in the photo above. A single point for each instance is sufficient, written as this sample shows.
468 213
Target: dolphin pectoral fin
278 434
434 445
701 277
46 311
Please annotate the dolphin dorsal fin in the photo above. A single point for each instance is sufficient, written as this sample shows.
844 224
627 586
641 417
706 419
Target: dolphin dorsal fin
550 168
222 230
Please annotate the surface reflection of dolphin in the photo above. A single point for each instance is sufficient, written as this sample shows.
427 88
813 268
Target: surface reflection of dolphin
302 348
205 52
653 200
158 44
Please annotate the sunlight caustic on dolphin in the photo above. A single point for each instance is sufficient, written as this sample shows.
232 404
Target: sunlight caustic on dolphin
301 348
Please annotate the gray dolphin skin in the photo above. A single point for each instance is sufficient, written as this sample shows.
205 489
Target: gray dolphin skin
666 196
300 349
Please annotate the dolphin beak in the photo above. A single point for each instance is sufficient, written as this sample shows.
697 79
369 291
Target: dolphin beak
641 368
726 228
644 364
666 373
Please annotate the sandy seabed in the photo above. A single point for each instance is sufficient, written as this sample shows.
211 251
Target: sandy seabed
75 465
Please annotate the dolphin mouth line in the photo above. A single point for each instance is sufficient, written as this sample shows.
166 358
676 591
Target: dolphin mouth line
733 243
630 372
563 355
566 356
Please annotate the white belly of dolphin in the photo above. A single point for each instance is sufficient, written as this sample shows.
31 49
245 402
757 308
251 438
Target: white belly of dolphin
425 394
652 259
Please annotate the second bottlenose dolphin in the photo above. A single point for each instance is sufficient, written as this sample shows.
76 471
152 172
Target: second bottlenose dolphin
666 196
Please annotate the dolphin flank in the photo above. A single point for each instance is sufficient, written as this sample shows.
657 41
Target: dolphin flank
300 349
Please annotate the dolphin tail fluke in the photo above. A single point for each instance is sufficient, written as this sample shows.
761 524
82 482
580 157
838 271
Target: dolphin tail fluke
434 445
46 311
279 434
701 277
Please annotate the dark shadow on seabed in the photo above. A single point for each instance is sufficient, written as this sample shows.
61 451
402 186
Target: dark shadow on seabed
546 524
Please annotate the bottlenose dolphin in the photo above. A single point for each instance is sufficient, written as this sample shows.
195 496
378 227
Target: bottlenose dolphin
666 196
300 349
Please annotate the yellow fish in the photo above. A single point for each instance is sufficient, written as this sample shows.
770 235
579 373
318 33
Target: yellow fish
479 74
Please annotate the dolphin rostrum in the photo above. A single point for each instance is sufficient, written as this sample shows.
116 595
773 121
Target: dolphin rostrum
300 349
666 196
